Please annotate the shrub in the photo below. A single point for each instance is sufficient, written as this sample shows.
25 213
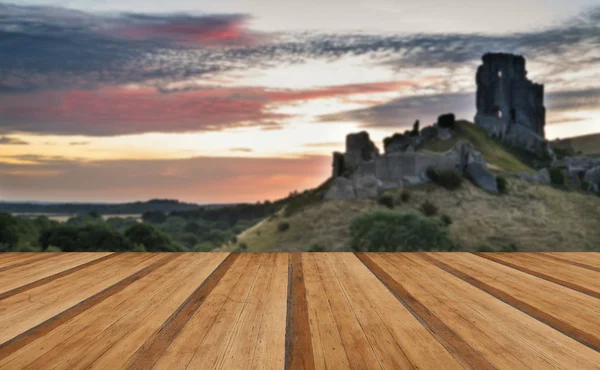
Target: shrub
405 196
510 248
53 249
204 247
139 248
502 184
386 200
243 246
234 240
484 248
316 248
556 176
429 209
449 179
283 226
446 220
391 231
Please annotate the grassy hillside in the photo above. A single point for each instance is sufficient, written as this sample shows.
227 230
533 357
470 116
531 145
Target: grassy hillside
532 217
498 158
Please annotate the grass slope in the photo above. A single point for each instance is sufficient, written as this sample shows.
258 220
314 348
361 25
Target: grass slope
531 216
498 158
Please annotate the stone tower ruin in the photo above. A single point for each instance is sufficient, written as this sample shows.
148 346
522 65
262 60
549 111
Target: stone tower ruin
510 106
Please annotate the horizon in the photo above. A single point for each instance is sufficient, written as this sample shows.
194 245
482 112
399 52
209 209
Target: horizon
231 102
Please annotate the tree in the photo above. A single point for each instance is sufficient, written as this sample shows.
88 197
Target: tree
152 239
155 217
9 235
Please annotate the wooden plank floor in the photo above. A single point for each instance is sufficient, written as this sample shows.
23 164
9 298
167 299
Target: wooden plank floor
300 311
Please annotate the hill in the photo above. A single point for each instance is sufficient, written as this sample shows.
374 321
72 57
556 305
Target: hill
587 145
533 217
530 216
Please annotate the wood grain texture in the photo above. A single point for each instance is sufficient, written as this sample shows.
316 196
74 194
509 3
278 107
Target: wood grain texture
577 278
299 311
298 346
536 297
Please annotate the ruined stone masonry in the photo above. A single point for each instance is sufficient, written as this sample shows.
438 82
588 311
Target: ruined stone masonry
510 106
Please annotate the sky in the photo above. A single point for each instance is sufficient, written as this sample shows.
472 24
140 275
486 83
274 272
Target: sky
245 100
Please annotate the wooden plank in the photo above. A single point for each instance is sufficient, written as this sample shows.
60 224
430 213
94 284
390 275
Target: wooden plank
572 313
24 311
79 330
298 347
325 339
154 347
27 283
240 349
123 337
451 340
587 258
583 261
269 351
416 341
213 348
573 277
366 338
45 327
183 348
13 260
507 337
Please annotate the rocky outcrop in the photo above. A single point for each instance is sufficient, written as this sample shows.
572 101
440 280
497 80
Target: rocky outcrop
541 177
510 106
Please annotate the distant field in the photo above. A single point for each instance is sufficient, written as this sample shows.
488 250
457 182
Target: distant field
64 218
589 144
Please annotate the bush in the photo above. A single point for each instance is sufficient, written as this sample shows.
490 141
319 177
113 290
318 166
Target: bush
429 209
386 201
484 248
446 220
139 248
53 249
243 246
316 248
283 226
449 179
557 177
391 231
204 247
234 240
509 248
502 184
405 196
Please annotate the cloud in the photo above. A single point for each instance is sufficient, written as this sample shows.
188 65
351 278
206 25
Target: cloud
50 48
402 112
202 180
241 150
7 140
121 111
77 143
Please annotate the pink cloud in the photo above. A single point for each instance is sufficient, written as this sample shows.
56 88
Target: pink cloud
204 31
119 111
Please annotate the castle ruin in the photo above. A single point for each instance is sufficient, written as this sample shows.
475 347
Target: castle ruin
510 106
